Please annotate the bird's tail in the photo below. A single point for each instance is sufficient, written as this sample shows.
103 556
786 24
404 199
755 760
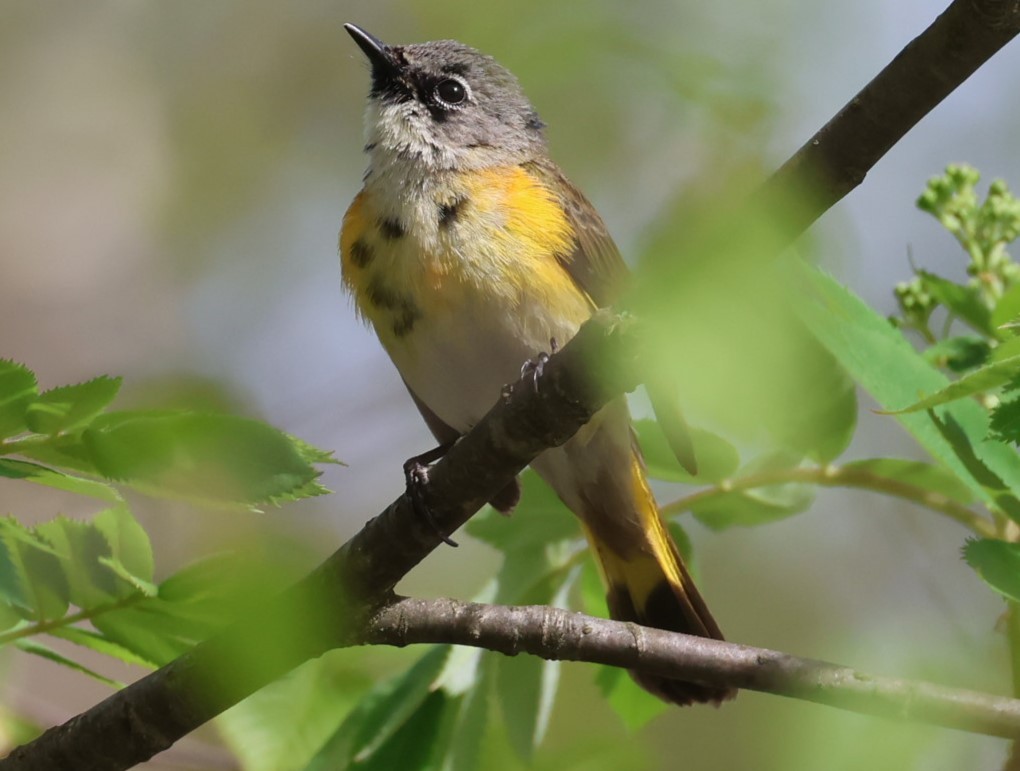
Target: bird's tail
648 584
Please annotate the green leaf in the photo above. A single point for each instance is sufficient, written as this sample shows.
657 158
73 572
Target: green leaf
882 361
757 505
981 380
375 726
33 472
69 407
100 644
192 605
963 302
38 649
632 704
684 546
749 508
537 541
282 726
959 353
822 422
467 678
140 585
1007 349
198 601
717 458
216 458
128 541
540 518
461 742
12 589
593 590
228 575
526 685
1008 307
966 450
313 454
79 547
65 560
18 389
146 632
34 577
933 479
64 451
998 563
9 616
414 743
1005 421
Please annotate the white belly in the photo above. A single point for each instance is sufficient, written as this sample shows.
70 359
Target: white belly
457 362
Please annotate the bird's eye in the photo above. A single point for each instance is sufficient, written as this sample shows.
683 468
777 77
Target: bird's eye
451 92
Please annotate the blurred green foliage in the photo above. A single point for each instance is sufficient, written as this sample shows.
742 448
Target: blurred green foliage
643 101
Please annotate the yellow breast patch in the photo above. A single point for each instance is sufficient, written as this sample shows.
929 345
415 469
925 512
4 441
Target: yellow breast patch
493 234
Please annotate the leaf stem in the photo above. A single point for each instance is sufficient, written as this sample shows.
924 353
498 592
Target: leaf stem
19 445
841 476
45 626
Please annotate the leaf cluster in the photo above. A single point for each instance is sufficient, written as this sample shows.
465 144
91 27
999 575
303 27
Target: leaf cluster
92 582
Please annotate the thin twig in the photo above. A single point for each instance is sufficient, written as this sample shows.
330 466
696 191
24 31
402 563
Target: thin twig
841 476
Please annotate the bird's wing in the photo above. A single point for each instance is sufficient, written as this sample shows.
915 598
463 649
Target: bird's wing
595 263
599 271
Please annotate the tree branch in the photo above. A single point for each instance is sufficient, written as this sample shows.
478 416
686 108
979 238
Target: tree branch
552 633
838 157
149 715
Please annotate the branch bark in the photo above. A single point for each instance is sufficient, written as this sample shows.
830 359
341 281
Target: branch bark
558 634
148 716
838 157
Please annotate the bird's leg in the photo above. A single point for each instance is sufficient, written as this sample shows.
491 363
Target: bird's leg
416 477
534 367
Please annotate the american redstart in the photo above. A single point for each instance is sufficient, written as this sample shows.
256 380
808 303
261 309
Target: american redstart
469 251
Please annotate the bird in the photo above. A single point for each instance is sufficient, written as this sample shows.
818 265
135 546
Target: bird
469 252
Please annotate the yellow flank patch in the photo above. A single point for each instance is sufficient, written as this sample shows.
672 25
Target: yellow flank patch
354 228
514 228
503 235
533 213
533 223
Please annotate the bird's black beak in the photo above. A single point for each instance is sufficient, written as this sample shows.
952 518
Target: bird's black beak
384 63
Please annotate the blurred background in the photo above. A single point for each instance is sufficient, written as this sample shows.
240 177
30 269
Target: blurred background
172 178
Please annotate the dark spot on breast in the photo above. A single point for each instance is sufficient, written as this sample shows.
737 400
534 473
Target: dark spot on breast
361 253
369 147
534 122
405 314
382 296
449 212
406 319
391 229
